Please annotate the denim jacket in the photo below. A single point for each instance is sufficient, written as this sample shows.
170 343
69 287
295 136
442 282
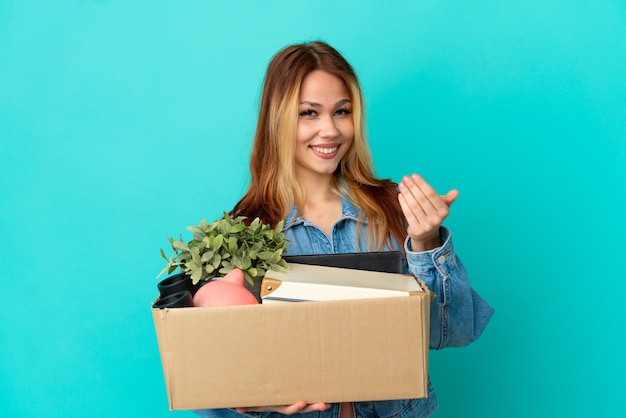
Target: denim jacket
458 313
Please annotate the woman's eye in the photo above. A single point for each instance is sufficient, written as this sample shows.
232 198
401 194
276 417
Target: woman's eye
308 112
343 112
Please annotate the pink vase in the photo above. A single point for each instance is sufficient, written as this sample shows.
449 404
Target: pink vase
227 291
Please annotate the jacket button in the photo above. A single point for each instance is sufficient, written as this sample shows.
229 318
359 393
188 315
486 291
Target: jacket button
441 259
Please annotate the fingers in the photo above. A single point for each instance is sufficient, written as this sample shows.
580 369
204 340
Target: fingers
421 203
450 197
298 407
290 409
423 208
315 407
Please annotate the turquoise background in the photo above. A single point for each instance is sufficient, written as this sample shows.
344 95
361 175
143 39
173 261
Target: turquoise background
123 122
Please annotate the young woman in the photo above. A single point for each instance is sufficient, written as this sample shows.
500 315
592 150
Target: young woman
311 166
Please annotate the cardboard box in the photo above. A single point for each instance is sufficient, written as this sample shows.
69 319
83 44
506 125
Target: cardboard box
277 354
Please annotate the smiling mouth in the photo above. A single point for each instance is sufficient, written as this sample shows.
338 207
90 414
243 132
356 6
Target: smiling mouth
325 150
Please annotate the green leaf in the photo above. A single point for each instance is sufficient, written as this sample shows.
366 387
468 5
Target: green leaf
183 256
195 229
207 256
196 275
195 255
246 263
276 257
217 242
226 269
162 272
224 226
248 278
279 268
265 255
237 228
179 245
212 227
216 260
232 245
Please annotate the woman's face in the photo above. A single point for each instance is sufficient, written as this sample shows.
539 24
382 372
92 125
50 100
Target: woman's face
325 127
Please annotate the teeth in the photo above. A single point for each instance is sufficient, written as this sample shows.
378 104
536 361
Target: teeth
325 150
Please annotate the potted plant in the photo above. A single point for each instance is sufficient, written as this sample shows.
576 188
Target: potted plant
227 244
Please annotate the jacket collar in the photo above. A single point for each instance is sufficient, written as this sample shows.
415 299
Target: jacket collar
348 211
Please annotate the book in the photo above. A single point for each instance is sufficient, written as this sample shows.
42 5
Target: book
318 283
384 261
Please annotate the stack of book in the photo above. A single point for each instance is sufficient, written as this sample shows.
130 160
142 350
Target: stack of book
340 277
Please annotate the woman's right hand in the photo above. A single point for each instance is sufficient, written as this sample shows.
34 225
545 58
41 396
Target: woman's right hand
297 408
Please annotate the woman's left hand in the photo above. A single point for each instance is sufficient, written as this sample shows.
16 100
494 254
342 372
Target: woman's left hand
424 211
297 408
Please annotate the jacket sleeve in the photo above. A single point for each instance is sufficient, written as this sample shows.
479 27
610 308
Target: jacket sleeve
458 314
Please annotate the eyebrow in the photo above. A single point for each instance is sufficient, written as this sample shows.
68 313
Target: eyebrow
315 104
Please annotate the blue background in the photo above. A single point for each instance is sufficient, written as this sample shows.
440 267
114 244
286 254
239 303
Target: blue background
123 122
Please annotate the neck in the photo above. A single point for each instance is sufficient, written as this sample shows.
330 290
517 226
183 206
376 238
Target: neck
317 188
322 201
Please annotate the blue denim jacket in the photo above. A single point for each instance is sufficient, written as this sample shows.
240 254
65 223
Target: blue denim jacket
458 313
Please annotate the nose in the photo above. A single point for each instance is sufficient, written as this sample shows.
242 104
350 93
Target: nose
328 128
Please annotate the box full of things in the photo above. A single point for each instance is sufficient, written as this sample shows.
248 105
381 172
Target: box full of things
362 337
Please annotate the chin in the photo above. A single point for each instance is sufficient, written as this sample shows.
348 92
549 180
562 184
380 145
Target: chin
328 170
